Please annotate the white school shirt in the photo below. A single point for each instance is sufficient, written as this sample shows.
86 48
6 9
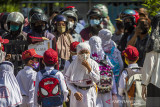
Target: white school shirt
26 79
58 75
122 81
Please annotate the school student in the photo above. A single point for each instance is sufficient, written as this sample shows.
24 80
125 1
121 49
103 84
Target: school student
72 57
130 80
49 83
10 95
27 77
81 77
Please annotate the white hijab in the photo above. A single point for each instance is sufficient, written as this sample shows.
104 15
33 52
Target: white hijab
95 43
76 72
106 36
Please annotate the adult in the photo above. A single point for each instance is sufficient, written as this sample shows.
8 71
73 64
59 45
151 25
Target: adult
140 38
151 68
63 39
106 23
94 17
72 23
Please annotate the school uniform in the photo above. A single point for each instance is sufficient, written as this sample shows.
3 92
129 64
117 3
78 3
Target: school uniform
10 94
122 80
26 79
58 75
79 80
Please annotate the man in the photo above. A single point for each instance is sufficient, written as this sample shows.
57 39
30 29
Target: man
140 38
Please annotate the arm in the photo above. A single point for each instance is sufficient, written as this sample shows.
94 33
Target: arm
122 83
114 89
31 39
148 67
36 90
64 87
120 61
31 90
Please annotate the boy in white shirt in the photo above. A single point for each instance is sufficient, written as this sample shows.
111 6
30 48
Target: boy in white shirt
27 76
50 58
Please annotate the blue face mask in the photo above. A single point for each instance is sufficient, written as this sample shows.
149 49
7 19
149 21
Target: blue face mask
14 27
94 22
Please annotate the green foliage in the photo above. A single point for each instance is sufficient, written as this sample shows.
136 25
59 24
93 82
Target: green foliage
153 6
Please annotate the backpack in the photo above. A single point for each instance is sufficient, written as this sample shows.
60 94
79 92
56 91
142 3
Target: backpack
50 91
106 77
133 88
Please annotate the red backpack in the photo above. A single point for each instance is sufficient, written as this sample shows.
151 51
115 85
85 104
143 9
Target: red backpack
50 91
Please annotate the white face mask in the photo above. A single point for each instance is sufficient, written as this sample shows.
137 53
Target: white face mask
83 57
74 57
70 25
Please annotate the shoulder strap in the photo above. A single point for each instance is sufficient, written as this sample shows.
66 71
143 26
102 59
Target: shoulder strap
53 72
43 71
130 71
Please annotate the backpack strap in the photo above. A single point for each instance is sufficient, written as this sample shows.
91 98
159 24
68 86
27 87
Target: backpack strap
53 72
130 71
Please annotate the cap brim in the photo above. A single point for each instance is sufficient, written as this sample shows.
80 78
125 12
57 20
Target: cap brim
118 19
38 56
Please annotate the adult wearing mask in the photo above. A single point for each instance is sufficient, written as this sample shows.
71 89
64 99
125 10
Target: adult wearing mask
119 32
106 22
34 10
72 23
17 37
130 18
140 38
94 17
63 39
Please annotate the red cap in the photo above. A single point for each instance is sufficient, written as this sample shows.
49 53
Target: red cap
131 53
4 41
50 56
30 53
70 7
73 46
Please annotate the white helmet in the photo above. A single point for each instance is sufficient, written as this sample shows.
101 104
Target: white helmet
16 17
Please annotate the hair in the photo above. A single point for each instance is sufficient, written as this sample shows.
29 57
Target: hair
145 18
49 65
27 60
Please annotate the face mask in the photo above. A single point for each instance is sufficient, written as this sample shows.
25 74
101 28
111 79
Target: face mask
83 57
35 65
126 61
94 22
129 26
39 29
74 57
61 29
14 27
70 25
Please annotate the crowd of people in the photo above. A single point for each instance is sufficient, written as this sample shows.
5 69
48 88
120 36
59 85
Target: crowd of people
90 64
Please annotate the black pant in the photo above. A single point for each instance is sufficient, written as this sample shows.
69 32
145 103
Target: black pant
153 96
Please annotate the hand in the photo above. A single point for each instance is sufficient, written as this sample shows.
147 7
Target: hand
8 57
78 96
144 92
44 38
138 31
86 64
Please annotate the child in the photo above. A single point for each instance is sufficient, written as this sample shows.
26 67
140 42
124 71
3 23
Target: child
81 77
130 80
111 51
72 57
27 77
107 81
10 95
50 58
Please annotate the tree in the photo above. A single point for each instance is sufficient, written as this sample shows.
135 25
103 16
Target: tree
153 6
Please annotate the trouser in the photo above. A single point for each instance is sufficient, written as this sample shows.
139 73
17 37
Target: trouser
153 96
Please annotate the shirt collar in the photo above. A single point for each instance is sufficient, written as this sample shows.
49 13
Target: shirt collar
132 65
28 67
49 68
